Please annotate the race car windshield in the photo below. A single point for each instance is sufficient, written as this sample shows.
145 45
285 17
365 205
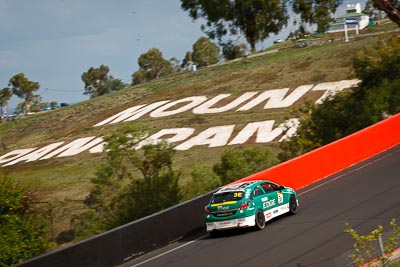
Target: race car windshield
227 196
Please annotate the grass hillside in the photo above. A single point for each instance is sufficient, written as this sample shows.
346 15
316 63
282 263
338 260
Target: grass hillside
65 182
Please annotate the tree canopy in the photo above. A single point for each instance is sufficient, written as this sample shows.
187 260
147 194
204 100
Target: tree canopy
98 82
129 182
152 66
23 234
254 19
232 51
239 163
205 52
24 88
5 96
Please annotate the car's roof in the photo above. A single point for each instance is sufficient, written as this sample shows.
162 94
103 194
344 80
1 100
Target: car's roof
238 186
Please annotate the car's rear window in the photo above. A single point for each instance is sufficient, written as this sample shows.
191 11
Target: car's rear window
227 196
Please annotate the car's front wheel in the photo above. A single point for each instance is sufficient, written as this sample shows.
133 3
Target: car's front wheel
293 207
260 220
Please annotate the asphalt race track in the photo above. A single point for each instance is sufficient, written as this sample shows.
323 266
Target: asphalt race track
363 195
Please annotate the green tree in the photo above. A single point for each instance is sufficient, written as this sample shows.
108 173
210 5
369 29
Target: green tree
365 246
89 223
203 180
132 183
232 51
5 96
36 104
23 234
139 77
239 163
205 52
24 88
254 19
95 80
175 64
152 66
187 61
112 85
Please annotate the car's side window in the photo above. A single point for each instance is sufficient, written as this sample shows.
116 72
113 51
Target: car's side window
257 192
268 187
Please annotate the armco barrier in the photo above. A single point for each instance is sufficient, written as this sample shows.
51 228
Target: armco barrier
128 241
334 157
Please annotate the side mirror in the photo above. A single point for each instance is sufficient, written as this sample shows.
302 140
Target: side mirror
281 188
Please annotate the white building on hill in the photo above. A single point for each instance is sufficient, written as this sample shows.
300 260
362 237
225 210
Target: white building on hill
353 18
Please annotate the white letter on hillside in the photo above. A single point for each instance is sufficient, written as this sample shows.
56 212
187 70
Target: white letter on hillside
75 147
332 88
35 155
98 148
193 102
132 113
205 107
290 126
178 134
263 129
276 98
12 155
214 137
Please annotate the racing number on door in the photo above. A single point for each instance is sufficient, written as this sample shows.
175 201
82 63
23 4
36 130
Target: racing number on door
280 197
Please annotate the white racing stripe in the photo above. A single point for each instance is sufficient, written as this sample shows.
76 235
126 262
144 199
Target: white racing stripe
169 251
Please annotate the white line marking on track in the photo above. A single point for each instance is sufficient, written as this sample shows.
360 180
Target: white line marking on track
169 251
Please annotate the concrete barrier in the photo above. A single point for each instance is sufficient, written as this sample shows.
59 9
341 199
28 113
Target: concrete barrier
334 157
141 236
131 240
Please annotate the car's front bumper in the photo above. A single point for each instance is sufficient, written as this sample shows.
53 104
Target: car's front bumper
229 224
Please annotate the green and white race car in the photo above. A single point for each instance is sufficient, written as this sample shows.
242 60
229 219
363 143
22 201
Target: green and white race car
248 204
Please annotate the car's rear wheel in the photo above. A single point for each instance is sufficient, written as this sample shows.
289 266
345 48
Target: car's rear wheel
293 207
260 220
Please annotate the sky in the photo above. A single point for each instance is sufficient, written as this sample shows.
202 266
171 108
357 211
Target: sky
54 41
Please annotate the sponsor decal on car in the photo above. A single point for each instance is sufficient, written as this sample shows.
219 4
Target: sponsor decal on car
269 204
280 197
223 203
224 214
248 193
284 207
